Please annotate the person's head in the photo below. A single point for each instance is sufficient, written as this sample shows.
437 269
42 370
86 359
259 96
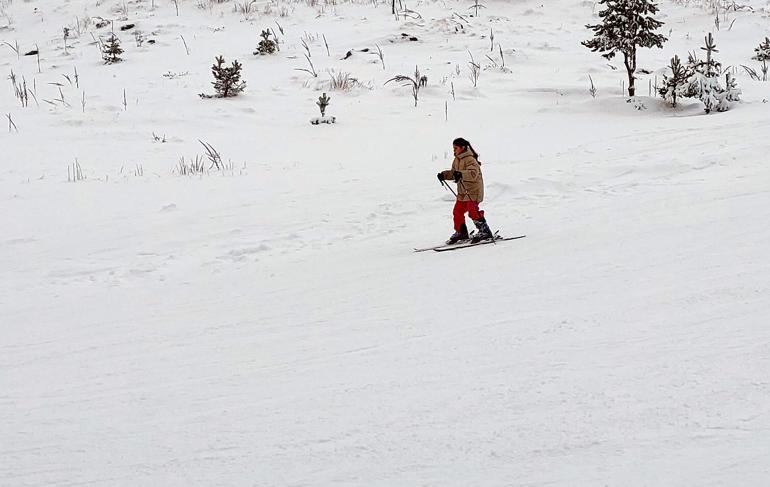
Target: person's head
460 145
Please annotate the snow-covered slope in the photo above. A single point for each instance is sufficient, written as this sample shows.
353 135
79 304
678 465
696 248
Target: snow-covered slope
269 325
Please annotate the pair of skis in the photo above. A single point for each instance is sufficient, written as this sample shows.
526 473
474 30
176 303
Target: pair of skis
462 244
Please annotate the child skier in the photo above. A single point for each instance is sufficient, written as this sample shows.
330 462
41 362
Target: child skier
466 172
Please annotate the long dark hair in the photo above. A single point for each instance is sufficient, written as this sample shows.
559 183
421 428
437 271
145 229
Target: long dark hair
460 142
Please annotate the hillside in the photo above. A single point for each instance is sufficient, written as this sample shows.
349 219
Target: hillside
267 323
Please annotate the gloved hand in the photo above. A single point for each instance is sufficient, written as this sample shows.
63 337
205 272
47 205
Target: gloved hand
440 176
458 176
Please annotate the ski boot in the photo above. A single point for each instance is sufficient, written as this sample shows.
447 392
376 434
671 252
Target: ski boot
458 236
483 233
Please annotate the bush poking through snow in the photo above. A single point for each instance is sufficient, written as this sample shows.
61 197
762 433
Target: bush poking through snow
194 166
75 172
11 125
246 8
111 50
475 7
413 82
592 89
197 165
213 156
227 80
381 56
341 81
20 89
474 71
266 45
310 71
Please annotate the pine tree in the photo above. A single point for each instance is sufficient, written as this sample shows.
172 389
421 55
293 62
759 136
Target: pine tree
704 82
675 86
227 80
731 93
763 55
763 51
111 50
626 26
266 45
710 67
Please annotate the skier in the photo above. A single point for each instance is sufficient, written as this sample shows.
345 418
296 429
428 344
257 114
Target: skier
466 172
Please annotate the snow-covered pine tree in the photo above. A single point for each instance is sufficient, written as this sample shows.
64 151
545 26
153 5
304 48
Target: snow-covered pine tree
674 86
111 50
227 80
730 94
626 26
704 80
763 55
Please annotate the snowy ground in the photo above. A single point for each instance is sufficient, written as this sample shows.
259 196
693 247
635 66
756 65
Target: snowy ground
269 325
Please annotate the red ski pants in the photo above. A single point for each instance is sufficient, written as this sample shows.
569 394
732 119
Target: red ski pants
463 207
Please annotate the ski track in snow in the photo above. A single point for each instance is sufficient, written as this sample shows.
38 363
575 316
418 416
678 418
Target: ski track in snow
269 325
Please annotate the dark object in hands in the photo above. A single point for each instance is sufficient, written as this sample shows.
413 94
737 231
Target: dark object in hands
458 176
440 176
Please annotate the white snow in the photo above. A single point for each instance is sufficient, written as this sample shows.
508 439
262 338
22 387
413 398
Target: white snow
269 324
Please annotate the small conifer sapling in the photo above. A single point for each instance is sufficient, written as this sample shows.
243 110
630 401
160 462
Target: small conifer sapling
763 55
674 86
111 50
227 80
323 102
704 81
266 45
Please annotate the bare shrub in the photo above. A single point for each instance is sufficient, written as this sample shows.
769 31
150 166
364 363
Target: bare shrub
341 81
311 71
75 172
191 167
474 71
414 82
247 8
213 156
592 89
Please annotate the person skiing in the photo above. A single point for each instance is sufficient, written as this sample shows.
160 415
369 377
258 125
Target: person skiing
466 173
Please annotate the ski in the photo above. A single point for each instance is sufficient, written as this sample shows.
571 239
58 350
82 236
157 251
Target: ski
445 248
466 243
460 242
465 240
